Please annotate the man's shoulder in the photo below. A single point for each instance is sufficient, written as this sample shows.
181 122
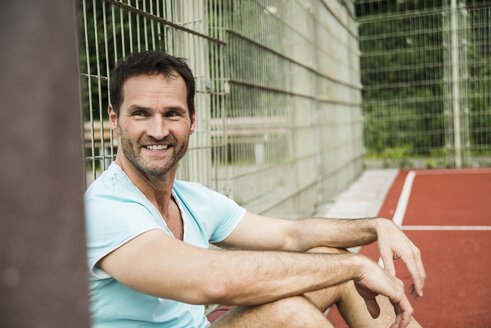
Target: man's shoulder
182 184
193 189
112 183
200 195
113 200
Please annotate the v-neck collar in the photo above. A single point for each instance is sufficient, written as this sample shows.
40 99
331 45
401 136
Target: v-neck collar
152 206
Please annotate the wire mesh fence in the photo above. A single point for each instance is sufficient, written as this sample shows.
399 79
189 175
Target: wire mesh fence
278 103
425 70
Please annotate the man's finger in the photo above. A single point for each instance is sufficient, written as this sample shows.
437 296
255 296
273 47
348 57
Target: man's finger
402 307
398 317
421 268
416 274
412 291
404 316
388 260
405 319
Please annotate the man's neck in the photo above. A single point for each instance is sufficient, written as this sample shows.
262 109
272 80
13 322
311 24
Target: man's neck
157 189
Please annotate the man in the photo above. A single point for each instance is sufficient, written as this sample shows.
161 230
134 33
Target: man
148 234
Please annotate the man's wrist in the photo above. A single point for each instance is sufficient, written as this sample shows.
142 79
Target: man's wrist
358 264
380 224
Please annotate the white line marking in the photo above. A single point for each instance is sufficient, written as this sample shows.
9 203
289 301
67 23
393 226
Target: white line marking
447 228
403 199
402 203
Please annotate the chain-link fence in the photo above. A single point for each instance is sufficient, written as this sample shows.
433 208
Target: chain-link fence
425 70
278 104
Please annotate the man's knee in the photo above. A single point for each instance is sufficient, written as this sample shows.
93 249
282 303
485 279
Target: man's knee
297 311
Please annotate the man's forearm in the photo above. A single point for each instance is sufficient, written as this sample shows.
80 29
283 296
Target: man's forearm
341 233
250 278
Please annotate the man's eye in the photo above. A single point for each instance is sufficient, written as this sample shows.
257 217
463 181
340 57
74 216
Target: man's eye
172 114
138 113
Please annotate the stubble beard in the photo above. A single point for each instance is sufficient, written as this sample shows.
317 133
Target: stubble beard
132 152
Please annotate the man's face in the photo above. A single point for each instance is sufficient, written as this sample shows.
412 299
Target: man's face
153 124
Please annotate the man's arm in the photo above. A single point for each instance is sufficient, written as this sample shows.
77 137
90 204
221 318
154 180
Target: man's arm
264 233
156 264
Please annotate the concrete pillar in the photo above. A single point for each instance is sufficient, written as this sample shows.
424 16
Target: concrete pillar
43 275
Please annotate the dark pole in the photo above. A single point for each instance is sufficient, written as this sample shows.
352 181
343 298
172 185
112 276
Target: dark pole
43 275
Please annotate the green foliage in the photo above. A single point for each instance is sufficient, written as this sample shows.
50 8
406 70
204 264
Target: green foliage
393 157
406 77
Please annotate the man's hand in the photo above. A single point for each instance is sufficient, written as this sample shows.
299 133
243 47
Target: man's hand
374 281
393 244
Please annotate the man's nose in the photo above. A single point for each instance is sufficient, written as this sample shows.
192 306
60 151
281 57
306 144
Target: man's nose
158 128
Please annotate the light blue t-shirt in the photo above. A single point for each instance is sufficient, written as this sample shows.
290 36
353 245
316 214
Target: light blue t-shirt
116 212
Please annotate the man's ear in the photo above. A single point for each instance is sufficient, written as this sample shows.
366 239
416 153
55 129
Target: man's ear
193 123
113 119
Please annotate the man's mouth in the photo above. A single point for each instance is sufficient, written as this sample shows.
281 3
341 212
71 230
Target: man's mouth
156 147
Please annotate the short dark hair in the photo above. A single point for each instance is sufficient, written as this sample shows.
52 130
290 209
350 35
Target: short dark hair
150 62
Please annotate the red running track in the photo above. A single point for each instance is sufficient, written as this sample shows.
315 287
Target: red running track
457 262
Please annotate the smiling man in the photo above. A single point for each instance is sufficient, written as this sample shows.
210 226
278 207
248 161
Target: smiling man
148 233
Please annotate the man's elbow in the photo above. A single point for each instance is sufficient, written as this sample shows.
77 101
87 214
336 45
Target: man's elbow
234 292
216 292
225 283
290 240
225 292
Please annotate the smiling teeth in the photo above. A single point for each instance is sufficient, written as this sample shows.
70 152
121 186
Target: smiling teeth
157 147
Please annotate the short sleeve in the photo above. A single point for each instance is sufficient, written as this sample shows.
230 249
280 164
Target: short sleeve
228 216
215 214
110 223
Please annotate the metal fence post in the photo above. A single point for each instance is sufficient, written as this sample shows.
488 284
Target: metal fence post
455 83
43 272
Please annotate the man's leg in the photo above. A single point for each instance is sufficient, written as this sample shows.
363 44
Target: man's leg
289 312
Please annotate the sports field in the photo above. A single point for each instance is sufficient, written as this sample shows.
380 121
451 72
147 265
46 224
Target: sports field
447 214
